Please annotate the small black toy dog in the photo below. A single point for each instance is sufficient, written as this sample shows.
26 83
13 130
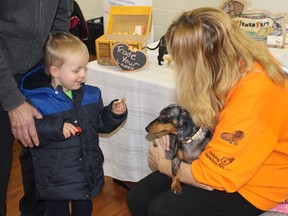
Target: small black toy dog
187 140
162 49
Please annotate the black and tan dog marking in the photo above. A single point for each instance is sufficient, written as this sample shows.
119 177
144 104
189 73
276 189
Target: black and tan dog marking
187 140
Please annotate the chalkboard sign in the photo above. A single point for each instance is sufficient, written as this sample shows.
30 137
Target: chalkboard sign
127 58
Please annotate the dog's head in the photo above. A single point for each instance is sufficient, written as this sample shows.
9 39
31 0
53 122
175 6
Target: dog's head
173 119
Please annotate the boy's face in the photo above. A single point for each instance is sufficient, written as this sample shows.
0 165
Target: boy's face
73 72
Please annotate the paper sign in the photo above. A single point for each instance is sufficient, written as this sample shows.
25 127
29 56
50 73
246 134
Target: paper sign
259 24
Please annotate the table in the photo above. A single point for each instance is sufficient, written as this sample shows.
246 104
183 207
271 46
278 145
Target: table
146 92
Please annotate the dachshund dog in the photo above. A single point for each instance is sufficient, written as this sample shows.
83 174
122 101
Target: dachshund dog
187 141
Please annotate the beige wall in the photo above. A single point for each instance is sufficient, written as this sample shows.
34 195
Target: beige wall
164 11
91 8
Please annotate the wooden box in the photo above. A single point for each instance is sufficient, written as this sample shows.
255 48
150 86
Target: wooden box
126 24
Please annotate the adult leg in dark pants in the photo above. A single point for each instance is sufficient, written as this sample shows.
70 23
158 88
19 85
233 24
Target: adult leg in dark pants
57 208
150 197
29 206
6 144
82 207
140 195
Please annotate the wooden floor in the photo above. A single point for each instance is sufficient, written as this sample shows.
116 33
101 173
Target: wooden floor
110 202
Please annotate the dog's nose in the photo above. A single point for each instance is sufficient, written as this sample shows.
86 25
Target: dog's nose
147 128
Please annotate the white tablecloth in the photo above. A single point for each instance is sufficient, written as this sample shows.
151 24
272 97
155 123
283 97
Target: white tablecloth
146 93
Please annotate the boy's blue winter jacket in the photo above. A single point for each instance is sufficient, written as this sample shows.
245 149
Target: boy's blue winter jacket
68 169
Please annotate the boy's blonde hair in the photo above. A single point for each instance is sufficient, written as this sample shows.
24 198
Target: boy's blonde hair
59 47
211 54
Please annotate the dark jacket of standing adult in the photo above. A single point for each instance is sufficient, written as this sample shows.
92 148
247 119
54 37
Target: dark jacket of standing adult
24 28
68 169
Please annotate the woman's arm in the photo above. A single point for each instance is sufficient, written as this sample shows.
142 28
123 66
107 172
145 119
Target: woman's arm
158 160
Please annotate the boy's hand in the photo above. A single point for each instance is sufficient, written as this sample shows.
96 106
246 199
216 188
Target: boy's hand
70 130
119 107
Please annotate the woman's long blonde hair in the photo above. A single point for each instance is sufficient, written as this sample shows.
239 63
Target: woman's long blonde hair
211 54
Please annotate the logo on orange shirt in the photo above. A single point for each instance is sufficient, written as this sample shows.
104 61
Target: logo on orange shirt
232 138
220 162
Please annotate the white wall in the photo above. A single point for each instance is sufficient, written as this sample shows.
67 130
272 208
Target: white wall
164 11
91 8
275 6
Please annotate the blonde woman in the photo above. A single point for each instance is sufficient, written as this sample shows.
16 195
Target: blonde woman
230 84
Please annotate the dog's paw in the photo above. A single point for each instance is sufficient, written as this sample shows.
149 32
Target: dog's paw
176 189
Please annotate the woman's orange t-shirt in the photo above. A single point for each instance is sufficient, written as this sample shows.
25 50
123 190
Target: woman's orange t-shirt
249 149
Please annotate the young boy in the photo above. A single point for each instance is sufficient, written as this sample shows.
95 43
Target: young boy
68 161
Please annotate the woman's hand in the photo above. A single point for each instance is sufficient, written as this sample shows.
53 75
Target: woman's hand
157 159
157 151
164 141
